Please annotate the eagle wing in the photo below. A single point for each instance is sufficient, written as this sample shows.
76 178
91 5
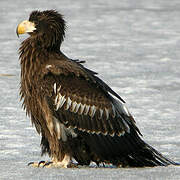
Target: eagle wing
80 100
84 105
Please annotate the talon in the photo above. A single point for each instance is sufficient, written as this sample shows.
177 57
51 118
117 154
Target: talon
31 163
47 164
41 162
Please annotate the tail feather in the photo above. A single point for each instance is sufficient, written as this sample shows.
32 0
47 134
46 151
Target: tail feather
162 159
147 156
120 151
128 150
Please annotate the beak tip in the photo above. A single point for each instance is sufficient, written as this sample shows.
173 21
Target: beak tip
17 32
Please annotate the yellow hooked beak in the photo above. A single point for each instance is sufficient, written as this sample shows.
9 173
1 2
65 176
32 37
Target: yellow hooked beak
25 27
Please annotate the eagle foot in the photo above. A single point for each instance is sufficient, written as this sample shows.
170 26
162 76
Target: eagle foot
48 164
51 164
60 165
65 163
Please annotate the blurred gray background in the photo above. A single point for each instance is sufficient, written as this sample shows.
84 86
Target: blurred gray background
133 45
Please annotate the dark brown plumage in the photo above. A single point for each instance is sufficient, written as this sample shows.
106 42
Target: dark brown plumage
76 113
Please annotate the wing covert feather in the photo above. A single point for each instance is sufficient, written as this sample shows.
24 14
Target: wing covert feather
78 102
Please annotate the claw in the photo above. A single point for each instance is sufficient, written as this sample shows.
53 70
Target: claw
41 162
47 164
31 163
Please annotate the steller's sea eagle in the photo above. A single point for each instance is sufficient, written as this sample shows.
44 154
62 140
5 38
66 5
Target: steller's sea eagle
77 115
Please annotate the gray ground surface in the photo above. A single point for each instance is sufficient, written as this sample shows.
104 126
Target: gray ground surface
133 45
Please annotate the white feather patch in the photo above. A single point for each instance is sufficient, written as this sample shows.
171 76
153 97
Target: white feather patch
71 132
82 106
73 106
101 113
107 113
48 66
60 101
126 109
55 88
68 103
59 88
50 126
58 128
61 131
77 107
63 100
92 110
123 108
56 99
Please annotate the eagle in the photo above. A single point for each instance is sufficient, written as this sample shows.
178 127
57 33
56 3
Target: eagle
78 116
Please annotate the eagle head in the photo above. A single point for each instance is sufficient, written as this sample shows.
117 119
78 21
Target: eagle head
46 27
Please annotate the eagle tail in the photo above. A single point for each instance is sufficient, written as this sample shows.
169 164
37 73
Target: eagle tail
126 151
147 156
